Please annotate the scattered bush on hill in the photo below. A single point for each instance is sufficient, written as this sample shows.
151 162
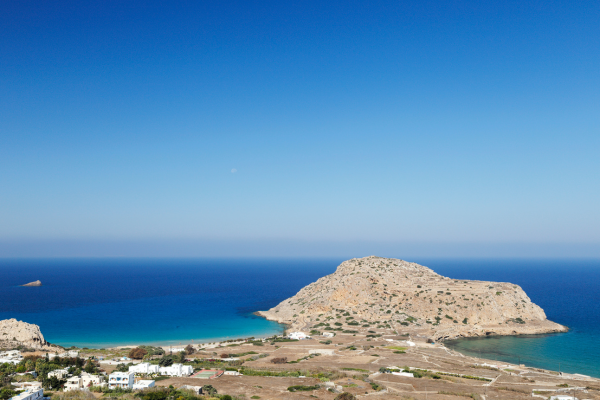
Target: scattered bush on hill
345 396
302 388
279 360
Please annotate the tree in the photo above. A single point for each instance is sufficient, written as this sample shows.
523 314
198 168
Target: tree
138 353
209 390
120 368
29 365
166 361
7 393
90 367
189 349
54 383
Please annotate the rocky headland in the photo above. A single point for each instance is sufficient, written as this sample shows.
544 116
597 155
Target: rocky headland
396 295
15 333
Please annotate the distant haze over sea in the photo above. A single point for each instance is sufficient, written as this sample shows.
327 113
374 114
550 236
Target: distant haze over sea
288 248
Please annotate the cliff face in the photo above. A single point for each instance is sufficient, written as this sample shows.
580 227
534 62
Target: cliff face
396 295
14 333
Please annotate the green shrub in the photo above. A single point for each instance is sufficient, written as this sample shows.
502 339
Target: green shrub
209 390
302 388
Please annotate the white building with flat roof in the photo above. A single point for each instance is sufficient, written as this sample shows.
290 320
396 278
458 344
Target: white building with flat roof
177 349
144 368
73 383
84 381
298 335
143 384
14 354
29 395
31 386
58 373
123 380
10 357
176 370
66 354
232 373
88 380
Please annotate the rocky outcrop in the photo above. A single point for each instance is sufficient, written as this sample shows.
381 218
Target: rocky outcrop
396 295
15 333
35 283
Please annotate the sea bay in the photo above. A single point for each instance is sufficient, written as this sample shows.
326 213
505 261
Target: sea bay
103 302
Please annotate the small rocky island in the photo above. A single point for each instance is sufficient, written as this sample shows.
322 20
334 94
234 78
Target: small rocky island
405 297
34 283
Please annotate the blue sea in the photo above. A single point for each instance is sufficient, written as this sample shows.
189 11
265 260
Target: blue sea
118 301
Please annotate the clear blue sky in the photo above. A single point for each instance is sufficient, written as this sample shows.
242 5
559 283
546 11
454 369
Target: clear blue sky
300 128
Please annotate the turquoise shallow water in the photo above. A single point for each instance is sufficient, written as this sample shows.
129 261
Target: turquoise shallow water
567 290
554 352
104 302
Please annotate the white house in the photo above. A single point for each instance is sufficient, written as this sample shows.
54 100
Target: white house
31 386
144 368
88 380
58 373
298 335
177 349
406 374
11 354
233 373
176 370
70 353
29 395
143 384
563 397
84 381
122 380
328 334
73 383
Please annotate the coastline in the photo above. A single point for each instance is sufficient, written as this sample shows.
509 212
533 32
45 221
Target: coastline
524 365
